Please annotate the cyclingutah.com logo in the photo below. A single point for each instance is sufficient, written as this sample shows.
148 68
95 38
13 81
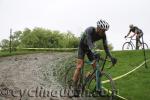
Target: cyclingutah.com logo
4 92
42 92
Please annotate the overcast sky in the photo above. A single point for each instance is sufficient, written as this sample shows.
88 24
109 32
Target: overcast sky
76 16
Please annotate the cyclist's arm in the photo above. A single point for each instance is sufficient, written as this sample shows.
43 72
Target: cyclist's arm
105 44
89 41
128 33
113 60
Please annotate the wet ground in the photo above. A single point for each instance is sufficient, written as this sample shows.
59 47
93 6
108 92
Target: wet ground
31 76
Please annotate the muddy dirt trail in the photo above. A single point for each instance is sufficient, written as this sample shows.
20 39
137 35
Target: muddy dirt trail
34 77
30 76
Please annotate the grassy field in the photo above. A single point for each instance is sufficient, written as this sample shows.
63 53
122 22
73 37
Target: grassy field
7 53
136 85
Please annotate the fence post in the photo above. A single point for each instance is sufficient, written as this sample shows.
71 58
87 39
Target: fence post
10 44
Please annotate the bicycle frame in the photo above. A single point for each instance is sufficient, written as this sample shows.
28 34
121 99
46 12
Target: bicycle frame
132 42
97 71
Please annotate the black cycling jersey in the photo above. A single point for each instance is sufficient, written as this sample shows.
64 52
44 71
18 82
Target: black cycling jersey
136 30
87 43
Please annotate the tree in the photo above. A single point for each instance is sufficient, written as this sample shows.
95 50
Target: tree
70 41
4 44
15 39
45 38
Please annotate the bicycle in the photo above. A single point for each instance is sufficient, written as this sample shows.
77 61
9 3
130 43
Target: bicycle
130 45
93 81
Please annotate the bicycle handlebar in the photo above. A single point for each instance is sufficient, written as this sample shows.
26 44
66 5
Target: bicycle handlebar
98 58
129 38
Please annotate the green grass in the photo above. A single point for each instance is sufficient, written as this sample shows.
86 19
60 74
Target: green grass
49 49
7 53
21 51
135 86
127 60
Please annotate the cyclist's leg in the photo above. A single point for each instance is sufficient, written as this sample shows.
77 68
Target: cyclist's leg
140 36
137 40
79 65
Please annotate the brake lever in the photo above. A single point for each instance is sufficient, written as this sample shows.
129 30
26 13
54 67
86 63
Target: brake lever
113 64
110 66
108 61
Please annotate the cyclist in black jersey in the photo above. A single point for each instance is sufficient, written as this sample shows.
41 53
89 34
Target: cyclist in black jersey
86 46
138 32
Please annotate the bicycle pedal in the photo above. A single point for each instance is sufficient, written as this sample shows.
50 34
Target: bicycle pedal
101 93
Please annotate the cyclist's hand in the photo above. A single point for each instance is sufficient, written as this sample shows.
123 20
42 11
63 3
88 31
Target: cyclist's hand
131 37
114 61
96 56
94 63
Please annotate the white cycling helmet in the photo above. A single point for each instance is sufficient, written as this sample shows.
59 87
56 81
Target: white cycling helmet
131 25
103 24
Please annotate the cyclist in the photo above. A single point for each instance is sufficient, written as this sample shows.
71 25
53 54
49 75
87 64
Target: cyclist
138 32
86 47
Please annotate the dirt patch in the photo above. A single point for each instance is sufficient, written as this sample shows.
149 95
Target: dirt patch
31 76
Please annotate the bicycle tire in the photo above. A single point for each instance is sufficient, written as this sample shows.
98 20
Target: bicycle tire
110 86
68 76
69 82
145 46
127 46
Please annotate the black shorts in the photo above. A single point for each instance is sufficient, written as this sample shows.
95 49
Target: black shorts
84 50
139 36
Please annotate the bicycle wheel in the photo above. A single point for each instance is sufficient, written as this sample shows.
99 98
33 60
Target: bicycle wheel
107 85
68 76
145 46
127 46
